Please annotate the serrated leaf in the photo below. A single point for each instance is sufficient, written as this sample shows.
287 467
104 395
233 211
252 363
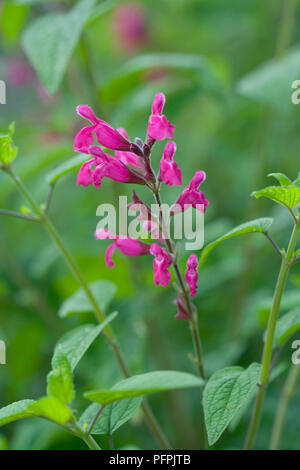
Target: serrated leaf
288 196
281 178
51 408
69 165
152 382
50 40
76 342
103 291
60 379
286 326
15 411
112 416
258 225
225 394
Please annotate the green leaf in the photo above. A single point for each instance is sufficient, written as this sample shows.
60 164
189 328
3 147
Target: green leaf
112 416
258 225
271 82
66 167
15 411
13 17
197 67
297 181
288 196
225 394
281 178
51 408
152 382
8 151
286 326
50 40
103 292
60 379
75 343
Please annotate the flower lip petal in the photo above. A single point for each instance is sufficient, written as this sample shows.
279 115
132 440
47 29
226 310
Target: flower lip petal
158 103
87 113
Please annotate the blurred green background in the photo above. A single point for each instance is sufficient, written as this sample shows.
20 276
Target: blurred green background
226 68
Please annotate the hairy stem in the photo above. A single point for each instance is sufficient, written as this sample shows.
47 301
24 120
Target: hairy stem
108 331
287 393
267 352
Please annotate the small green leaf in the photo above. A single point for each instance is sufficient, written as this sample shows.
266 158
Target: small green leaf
281 178
60 379
103 292
50 40
152 382
8 151
225 394
51 408
297 181
112 416
66 167
15 411
76 342
259 225
286 326
288 196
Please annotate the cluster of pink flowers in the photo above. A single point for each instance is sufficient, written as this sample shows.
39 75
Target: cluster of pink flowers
131 164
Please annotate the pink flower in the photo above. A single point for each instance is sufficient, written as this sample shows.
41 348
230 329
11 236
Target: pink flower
169 171
192 196
159 128
103 165
18 73
161 263
138 205
130 27
130 158
182 312
191 274
106 135
128 246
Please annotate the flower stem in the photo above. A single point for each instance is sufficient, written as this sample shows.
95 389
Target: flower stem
87 438
108 331
286 396
267 352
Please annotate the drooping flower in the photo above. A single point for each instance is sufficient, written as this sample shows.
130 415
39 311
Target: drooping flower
191 274
159 128
103 165
130 26
105 134
170 173
182 311
191 195
161 263
128 246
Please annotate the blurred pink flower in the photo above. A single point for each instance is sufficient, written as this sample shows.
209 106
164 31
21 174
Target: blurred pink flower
169 171
191 274
128 246
130 27
182 312
103 165
161 263
191 195
159 128
18 73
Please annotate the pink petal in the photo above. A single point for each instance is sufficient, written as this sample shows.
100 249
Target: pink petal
158 103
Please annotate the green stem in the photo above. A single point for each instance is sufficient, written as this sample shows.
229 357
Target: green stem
108 331
87 438
267 352
286 396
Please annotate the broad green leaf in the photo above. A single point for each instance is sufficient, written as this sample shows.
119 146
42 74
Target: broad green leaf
225 394
286 326
50 40
60 379
66 167
288 196
103 292
51 408
271 82
258 225
152 382
76 342
197 67
112 416
15 411
281 178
